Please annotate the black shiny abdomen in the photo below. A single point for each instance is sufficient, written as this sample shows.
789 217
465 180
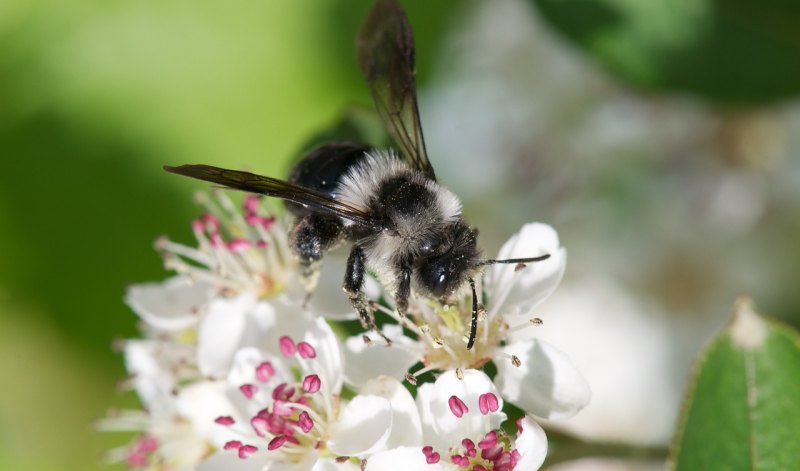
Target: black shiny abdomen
323 168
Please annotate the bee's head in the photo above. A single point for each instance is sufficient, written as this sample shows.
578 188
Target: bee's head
448 268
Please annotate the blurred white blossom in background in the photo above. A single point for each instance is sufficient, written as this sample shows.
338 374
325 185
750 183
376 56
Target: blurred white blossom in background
661 202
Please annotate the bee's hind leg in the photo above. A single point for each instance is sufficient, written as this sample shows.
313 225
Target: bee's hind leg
354 287
311 237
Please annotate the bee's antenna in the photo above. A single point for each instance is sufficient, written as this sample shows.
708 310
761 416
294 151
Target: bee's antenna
492 261
473 328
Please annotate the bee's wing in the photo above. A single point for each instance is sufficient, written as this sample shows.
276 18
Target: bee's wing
253 183
386 58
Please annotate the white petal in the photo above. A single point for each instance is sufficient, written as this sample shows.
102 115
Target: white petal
512 290
366 361
243 371
179 444
452 429
303 325
531 445
241 322
152 382
363 426
172 305
403 458
406 426
546 384
230 325
328 464
247 359
329 363
307 464
203 402
424 400
328 298
230 461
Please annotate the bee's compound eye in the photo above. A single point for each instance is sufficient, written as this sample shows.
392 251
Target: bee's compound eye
434 277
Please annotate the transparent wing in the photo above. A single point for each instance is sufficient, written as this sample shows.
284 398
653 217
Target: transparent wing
253 183
386 58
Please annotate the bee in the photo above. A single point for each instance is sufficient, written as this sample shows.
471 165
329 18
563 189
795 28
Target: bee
404 226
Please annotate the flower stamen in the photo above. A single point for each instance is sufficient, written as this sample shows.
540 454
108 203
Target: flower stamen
457 406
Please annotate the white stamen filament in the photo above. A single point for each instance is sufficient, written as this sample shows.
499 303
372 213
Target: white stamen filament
319 421
199 274
424 370
324 392
525 325
233 266
227 204
408 323
195 255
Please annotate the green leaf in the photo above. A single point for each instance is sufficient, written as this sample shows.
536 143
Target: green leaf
743 408
731 51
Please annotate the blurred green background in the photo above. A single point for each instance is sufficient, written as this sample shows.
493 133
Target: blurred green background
96 96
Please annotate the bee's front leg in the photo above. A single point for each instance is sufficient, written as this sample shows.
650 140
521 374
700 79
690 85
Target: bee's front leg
354 287
403 291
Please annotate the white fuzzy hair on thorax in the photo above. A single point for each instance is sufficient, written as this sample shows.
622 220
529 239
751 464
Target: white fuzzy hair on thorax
363 183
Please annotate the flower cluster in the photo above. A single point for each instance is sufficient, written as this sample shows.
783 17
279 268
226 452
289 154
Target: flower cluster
238 369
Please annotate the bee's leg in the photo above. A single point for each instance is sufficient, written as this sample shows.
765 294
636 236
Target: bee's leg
311 237
473 328
354 287
403 290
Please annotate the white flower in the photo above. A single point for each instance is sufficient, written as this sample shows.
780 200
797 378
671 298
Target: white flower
246 251
531 374
167 437
286 412
460 420
236 371
169 306
156 368
228 295
367 360
236 250
163 442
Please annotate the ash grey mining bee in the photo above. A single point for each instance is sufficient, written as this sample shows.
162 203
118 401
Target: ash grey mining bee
404 226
